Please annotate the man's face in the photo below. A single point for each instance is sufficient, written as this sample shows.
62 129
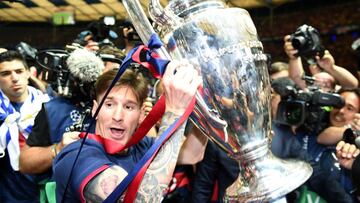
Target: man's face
325 81
280 74
343 116
119 116
14 80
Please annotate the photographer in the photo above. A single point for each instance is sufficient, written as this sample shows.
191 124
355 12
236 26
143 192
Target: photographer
96 35
66 113
324 62
342 118
299 141
129 35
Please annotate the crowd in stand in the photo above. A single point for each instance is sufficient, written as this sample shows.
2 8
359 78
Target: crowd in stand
44 122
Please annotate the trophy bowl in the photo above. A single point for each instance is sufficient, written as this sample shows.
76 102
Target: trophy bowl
233 107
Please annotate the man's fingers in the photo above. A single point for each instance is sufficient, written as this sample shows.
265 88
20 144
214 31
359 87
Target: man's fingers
340 145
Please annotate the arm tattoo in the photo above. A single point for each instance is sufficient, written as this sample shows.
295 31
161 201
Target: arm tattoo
103 184
159 173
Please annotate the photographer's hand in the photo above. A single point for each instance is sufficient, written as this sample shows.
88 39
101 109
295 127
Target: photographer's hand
343 77
145 109
296 70
289 49
346 154
126 31
355 123
327 62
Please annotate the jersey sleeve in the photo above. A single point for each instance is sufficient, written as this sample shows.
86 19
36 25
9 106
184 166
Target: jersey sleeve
40 134
92 161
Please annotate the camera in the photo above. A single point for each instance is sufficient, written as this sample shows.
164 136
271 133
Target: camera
352 137
97 31
132 36
54 70
27 51
306 40
305 108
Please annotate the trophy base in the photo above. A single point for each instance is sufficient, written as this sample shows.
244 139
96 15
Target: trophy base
266 179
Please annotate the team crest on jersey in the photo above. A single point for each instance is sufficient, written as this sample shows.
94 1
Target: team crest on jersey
75 115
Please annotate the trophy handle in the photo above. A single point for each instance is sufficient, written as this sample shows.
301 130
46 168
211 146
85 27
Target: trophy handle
161 16
142 24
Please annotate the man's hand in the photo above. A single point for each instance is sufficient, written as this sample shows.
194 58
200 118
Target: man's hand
289 49
346 154
92 46
327 62
355 123
68 138
180 83
145 109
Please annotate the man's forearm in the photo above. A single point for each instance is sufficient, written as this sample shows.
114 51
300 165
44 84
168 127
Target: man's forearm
344 77
159 173
296 72
331 135
34 160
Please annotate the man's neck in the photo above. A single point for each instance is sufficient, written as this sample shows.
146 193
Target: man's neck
20 99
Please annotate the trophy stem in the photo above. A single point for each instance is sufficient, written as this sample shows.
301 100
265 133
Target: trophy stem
263 177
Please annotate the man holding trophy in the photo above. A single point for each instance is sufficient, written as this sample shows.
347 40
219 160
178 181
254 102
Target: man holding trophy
233 105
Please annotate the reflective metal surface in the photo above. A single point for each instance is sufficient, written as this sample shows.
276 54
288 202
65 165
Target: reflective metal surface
233 108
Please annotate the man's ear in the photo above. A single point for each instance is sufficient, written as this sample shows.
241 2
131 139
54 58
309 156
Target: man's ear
95 106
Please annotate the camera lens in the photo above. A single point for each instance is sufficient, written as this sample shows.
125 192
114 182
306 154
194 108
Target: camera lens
298 42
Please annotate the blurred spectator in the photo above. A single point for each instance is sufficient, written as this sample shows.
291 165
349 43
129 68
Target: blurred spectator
356 48
2 50
111 56
216 172
57 120
20 104
96 35
85 39
278 70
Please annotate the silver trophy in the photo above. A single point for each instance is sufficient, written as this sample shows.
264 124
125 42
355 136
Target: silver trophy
233 107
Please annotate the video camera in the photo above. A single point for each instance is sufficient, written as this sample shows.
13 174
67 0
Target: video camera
27 51
305 108
54 70
306 40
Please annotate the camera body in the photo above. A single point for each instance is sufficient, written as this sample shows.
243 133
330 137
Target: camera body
306 40
305 108
55 70
97 31
352 137
26 50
